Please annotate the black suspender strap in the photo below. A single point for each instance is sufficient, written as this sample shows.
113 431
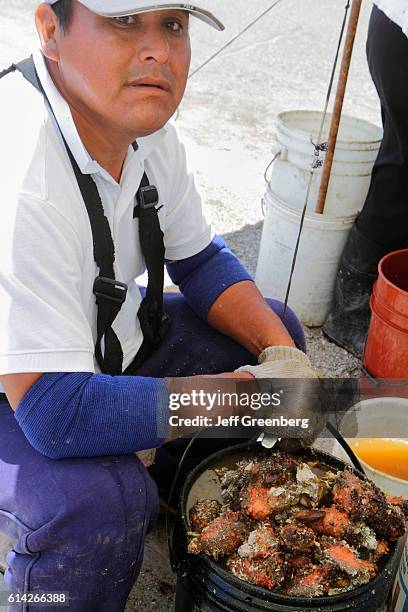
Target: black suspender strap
110 294
153 321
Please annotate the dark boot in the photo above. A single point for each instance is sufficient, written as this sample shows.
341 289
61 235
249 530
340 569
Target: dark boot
349 319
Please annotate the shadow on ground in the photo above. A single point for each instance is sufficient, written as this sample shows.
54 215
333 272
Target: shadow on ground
245 244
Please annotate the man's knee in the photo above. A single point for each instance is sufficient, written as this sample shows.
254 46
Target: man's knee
78 504
99 511
107 502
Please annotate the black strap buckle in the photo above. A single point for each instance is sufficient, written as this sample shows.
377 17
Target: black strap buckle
149 196
110 289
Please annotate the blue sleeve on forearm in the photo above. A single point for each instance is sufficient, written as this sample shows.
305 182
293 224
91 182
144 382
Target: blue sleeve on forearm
203 277
81 414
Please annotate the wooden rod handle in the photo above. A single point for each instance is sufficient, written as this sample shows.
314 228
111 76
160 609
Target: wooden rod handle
338 105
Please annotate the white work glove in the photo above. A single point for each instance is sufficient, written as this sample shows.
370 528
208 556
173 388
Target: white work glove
281 362
288 370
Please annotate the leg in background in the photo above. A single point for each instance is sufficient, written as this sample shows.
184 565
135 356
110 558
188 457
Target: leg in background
384 218
382 226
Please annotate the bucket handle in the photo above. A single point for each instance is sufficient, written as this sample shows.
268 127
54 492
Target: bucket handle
173 561
267 180
274 158
379 382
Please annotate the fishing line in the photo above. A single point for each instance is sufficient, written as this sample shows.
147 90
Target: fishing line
247 27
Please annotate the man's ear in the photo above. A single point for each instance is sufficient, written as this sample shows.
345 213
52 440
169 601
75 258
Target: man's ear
47 25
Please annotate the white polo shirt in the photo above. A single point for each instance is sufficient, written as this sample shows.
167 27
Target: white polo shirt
47 268
396 10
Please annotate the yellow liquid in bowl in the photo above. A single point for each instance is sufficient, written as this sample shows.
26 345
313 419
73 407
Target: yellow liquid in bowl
388 455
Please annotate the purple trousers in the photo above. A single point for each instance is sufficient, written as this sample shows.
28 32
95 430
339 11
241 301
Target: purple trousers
79 525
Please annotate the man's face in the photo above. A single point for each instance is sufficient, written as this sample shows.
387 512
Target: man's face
126 73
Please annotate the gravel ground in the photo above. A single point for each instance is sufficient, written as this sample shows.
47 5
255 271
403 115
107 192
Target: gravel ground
227 121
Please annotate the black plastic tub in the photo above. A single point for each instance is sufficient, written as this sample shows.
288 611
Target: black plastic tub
204 585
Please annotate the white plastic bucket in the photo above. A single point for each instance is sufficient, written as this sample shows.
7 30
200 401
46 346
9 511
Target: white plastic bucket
357 148
380 417
322 242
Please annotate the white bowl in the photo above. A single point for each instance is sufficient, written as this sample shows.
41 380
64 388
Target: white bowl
385 418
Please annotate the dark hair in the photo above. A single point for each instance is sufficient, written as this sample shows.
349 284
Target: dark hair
63 10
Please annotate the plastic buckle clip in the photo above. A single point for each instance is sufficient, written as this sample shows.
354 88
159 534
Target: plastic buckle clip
149 196
110 289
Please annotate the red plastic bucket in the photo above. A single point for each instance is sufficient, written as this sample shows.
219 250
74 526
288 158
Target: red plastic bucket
386 350
392 315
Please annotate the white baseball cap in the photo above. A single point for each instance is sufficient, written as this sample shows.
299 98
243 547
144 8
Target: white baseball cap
120 8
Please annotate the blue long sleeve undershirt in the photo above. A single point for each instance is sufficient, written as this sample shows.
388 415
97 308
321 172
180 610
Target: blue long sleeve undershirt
80 414
203 277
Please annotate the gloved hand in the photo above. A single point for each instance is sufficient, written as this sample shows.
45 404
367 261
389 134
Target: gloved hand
288 371
281 362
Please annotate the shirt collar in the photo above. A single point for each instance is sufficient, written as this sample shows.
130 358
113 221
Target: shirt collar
63 115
